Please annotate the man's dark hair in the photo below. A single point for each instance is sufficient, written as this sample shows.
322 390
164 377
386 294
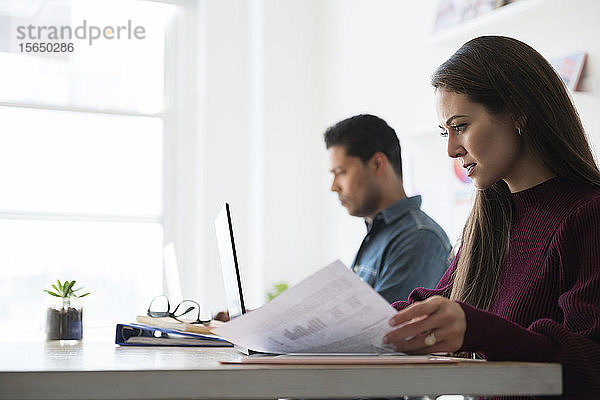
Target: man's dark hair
364 135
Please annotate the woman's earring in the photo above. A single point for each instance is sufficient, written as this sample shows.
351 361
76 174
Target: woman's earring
519 131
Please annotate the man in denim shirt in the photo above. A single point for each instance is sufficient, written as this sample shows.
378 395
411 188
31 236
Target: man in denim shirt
403 248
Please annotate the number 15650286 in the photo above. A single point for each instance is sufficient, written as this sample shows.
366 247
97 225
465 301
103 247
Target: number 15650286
46 47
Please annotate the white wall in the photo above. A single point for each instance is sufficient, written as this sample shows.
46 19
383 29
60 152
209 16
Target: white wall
276 73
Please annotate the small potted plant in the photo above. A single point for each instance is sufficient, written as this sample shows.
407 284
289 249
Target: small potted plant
64 317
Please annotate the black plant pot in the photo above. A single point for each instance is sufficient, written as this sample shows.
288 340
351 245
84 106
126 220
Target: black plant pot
64 323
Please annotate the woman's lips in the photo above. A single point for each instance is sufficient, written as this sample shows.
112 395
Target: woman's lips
470 168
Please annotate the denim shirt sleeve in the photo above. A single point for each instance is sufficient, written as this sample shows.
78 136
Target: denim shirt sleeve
418 259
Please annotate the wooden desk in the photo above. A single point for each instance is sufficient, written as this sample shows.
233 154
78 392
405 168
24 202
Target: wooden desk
101 370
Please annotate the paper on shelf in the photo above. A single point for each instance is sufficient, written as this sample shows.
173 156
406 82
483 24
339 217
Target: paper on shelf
332 310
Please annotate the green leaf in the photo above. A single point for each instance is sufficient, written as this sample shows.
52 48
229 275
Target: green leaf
281 287
65 289
278 289
69 289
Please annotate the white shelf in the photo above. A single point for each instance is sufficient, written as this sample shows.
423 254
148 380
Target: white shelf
512 10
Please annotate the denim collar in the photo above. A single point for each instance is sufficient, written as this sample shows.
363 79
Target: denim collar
397 210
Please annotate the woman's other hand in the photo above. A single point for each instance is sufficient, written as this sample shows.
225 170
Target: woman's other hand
222 316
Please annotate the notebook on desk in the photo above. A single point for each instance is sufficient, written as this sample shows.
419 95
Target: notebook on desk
230 267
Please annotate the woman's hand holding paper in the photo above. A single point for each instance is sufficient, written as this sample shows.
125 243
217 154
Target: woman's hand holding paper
431 326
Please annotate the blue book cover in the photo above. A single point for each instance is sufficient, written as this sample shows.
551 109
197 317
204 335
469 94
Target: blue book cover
145 335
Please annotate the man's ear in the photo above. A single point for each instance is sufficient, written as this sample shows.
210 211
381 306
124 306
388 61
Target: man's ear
379 163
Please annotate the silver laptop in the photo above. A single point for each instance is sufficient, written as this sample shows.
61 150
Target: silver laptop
230 268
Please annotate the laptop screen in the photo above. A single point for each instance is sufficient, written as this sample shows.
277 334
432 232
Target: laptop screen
229 263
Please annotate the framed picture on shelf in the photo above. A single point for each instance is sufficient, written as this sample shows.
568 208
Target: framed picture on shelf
453 12
570 68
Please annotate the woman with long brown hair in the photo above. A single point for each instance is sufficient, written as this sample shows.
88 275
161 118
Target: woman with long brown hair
525 284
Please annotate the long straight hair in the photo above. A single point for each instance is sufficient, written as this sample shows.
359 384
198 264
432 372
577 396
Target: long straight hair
506 75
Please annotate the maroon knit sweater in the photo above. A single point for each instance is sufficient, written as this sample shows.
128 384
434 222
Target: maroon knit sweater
547 305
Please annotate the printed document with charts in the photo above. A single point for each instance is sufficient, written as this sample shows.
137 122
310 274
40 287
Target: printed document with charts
331 311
